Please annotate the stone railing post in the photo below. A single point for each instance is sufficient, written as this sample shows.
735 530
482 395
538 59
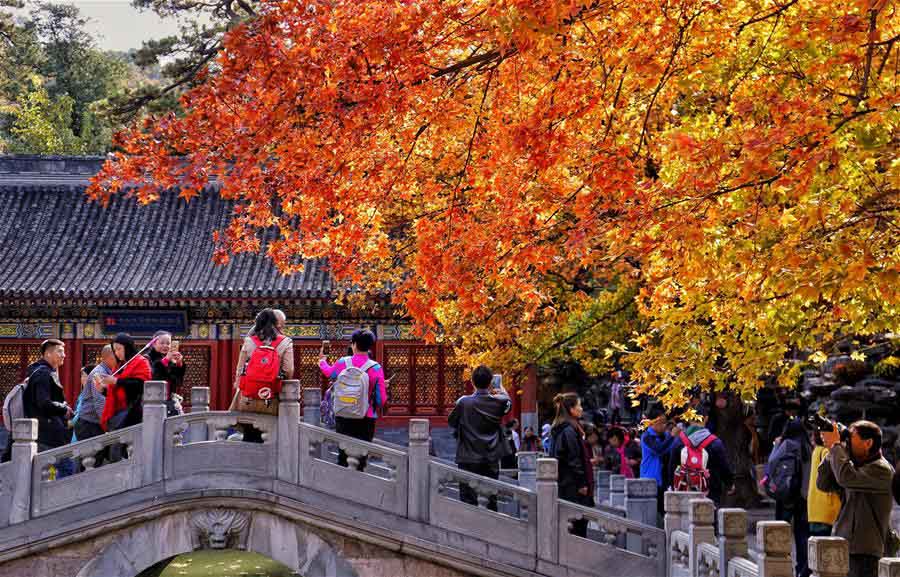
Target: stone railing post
289 431
774 538
889 567
153 431
24 432
676 506
640 506
198 432
828 557
602 478
527 463
199 399
702 515
418 498
547 510
617 491
732 536
312 406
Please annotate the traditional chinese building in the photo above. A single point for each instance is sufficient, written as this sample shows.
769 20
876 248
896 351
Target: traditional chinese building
74 270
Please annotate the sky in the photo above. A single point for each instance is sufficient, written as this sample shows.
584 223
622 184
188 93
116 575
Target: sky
117 25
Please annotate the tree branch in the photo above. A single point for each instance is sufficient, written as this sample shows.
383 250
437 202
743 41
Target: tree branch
764 17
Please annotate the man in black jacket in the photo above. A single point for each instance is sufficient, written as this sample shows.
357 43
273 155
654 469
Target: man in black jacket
476 418
43 398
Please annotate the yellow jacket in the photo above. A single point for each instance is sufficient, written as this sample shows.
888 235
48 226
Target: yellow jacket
821 507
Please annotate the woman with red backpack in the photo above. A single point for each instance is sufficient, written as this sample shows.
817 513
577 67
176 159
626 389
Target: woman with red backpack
265 361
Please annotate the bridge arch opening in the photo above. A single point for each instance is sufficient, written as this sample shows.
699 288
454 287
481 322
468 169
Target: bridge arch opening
219 563
205 532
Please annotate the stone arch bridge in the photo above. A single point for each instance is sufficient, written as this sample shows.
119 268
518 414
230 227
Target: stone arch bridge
183 485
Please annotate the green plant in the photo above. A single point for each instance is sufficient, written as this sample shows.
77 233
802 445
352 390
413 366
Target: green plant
888 368
850 372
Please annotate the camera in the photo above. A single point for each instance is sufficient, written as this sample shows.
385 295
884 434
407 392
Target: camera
819 423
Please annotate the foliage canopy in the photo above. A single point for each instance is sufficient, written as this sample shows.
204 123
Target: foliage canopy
695 186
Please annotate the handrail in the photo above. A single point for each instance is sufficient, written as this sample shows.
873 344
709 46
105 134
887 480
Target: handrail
373 448
741 567
602 516
475 479
75 449
708 560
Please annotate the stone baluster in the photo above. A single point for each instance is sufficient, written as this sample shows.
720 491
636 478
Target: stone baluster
24 432
732 536
828 557
702 514
548 510
676 507
640 506
419 470
199 404
153 430
199 399
775 540
889 567
602 478
289 431
617 491
312 406
527 463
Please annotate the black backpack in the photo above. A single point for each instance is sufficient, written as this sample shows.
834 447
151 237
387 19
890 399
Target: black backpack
785 474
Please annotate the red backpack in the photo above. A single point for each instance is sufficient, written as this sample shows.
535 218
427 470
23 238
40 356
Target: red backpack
692 474
261 378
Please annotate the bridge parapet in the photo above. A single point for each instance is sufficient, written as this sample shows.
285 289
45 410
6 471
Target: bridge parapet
383 488
121 458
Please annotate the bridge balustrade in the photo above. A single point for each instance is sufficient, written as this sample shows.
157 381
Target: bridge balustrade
401 488
121 471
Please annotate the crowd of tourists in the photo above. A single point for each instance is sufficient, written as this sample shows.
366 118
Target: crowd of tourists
825 479
112 391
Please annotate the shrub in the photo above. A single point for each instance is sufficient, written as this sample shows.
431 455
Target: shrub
850 372
888 368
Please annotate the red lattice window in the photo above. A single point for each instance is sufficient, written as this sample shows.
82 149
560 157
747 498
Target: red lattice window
90 354
14 359
427 378
397 367
197 362
454 382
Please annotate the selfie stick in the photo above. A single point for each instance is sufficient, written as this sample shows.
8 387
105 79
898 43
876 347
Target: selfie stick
147 346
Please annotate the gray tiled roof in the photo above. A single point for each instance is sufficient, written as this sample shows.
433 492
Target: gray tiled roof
55 244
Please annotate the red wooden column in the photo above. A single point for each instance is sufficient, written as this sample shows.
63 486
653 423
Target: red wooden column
529 400
70 372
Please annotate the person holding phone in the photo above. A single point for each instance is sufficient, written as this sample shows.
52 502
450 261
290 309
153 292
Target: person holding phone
476 420
167 364
360 427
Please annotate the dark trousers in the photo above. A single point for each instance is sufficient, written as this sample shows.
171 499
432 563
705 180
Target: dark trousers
467 494
86 430
863 566
798 519
362 429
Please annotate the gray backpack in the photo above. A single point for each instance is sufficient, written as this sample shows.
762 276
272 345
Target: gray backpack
350 392
14 404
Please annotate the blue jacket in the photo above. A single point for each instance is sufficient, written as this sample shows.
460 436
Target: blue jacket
654 448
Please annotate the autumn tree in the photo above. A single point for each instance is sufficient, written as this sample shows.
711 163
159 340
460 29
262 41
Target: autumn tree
695 186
